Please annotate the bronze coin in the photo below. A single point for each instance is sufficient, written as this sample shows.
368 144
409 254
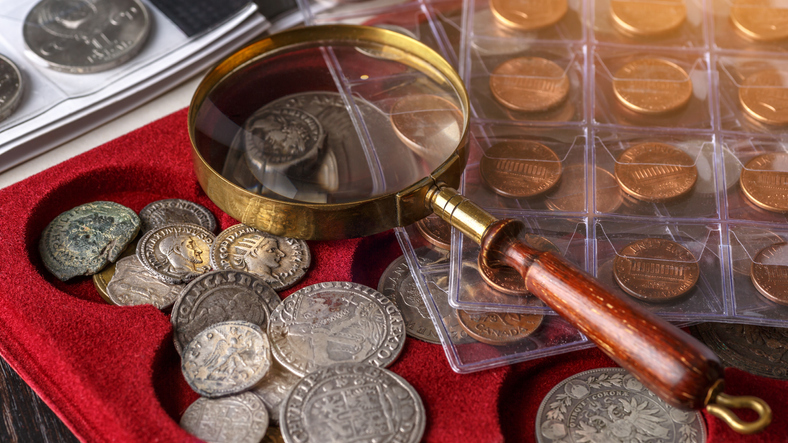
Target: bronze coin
655 270
570 194
769 273
758 21
435 230
759 350
505 278
656 172
520 168
646 19
652 86
499 328
764 181
529 84
102 279
764 96
429 125
755 239
529 15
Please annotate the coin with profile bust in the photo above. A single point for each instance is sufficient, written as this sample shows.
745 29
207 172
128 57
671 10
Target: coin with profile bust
176 253
652 86
12 87
240 418
174 211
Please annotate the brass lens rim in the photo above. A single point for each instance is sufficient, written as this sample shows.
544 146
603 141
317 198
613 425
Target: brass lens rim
312 221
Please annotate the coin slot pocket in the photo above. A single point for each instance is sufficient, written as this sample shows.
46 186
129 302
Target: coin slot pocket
482 18
753 94
749 27
662 23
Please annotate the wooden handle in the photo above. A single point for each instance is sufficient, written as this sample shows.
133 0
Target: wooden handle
675 366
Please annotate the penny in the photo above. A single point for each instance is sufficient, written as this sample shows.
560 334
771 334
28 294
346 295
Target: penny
83 240
749 239
764 96
652 86
429 125
335 322
435 230
647 19
488 33
769 273
529 15
133 285
570 194
176 253
476 294
274 387
398 285
611 405
12 87
759 350
240 418
80 36
280 261
529 84
505 278
764 181
656 172
176 211
102 279
352 402
499 329
655 270
758 20
221 296
520 168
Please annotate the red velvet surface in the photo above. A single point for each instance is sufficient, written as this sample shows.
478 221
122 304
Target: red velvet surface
112 374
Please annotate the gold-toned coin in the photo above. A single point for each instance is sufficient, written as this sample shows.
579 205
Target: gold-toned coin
102 279
506 279
520 168
758 20
529 15
529 84
647 19
652 86
655 270
769 273
656 172
429 125
570 194
499 328
435 230
764 96
753 239
764 181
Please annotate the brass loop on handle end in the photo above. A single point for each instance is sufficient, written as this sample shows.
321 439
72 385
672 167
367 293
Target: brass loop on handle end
721 403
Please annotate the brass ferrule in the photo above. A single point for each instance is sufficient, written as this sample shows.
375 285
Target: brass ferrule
460 212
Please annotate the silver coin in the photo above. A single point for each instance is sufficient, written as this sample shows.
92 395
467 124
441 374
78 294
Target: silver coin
220 296
238 418
11 87
133 285
176 253
439 290
85 36
274 387
610 405
352 402
176 211
280 261
226 358
398 285
335 322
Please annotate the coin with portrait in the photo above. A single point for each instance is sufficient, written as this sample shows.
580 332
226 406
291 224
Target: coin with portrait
176 253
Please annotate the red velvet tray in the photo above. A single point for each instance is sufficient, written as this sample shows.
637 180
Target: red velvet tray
112 374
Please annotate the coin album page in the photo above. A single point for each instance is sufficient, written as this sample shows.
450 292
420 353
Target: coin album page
599 87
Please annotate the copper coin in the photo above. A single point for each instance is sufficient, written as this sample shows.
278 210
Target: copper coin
759 350
656 172
435 230
499 328
652 86
505 278
520 168
655 270
646 19
764 96
429 125
764 181
752 239
529 15
769 273
759 21
529 84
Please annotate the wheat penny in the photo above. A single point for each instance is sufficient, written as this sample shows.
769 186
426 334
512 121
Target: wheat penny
429 125
764 96
655 270
435 230
499 328
764 181
656 172
759 21
520 168
505 278
769 273
652 86
529 84
529 15
647 19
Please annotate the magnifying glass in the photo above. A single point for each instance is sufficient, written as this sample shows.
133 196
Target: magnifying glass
341 131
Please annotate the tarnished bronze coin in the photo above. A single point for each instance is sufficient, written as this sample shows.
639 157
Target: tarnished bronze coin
647 19
570 194
759 20
764 96
529 84
759 350
656 172
652 86
764 181
506 279
529 15
520 168
655 270
499 329
769 273
429 125
435 230
102 279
